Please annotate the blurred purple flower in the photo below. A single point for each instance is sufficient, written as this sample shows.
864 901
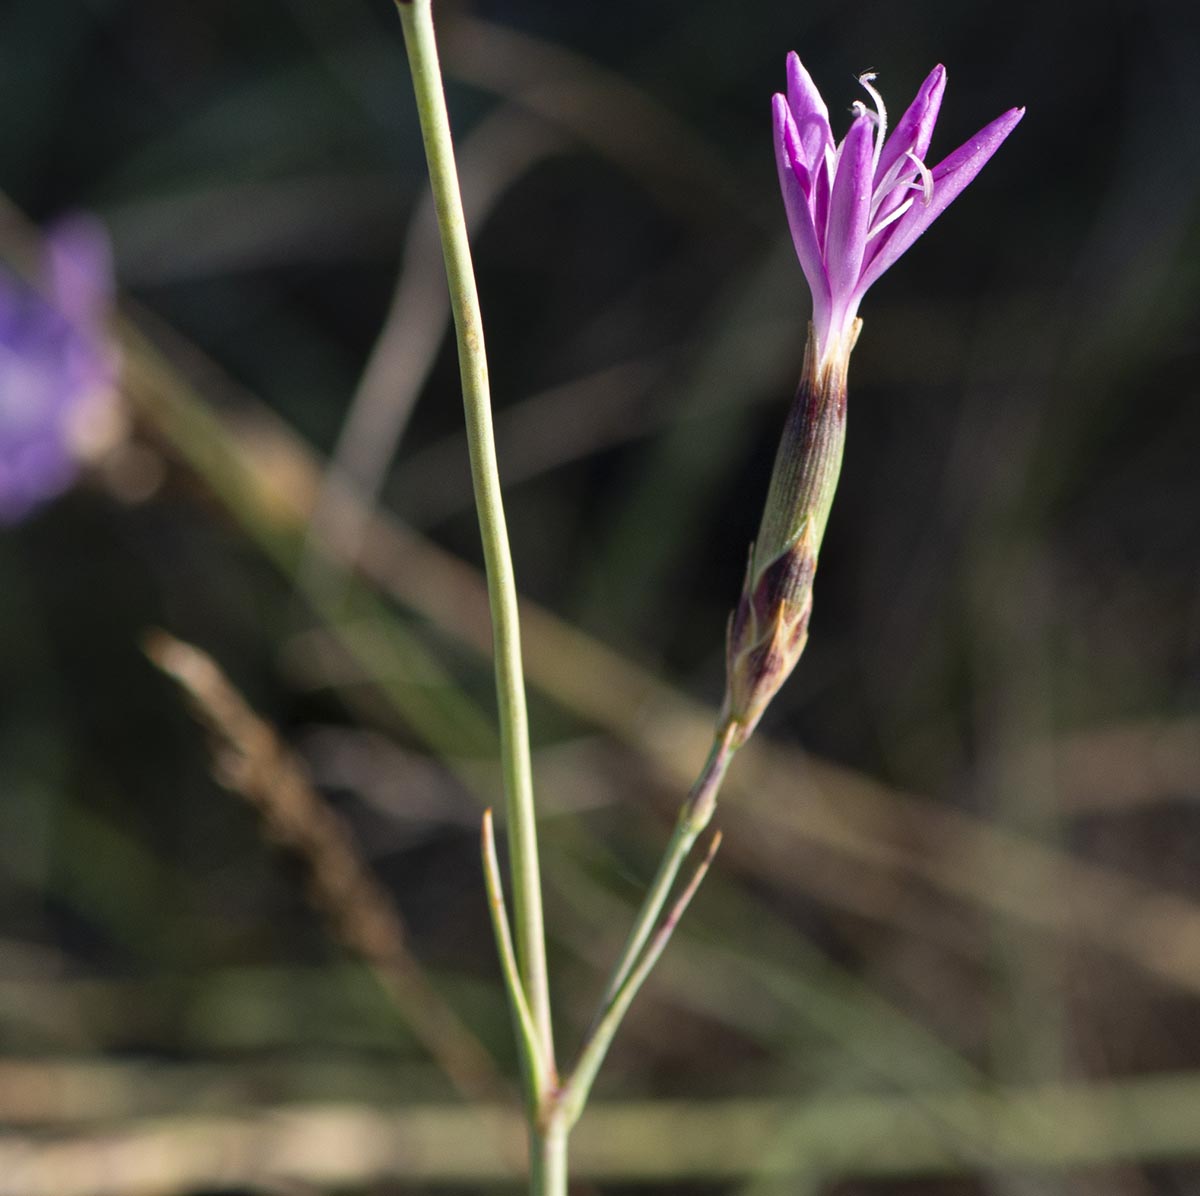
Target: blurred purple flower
856 207
57 367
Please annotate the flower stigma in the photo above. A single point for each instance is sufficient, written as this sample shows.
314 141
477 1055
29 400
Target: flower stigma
881 121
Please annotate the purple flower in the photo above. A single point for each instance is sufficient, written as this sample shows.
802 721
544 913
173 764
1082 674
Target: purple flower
854 208
57 368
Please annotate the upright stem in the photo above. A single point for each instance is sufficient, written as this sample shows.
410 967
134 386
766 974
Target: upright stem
417 19
548 1160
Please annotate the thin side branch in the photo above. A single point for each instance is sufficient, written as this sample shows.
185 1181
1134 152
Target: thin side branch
538 1080
694 816
579 1085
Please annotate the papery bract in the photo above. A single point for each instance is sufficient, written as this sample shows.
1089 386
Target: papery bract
57 367
855 207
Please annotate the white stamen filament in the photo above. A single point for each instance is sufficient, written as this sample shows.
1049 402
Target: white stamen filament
866 79
895 177
887 185
926 177
908 203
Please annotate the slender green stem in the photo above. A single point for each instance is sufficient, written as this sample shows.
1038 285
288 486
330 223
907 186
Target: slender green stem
533 1069
694 816
649 937
416 18
548 1160
575 1092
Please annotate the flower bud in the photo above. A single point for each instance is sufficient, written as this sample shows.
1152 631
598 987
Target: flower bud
769 628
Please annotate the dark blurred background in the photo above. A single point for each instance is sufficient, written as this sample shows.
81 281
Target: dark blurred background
952 943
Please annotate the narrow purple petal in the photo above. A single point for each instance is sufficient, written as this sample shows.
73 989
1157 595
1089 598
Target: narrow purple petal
809 112
795 202
850 208
787 143
914 129
819 200
949 178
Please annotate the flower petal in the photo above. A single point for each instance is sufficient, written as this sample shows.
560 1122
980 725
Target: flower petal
914 129
809 112
795 202
949 178
788 149
819 197
850 208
